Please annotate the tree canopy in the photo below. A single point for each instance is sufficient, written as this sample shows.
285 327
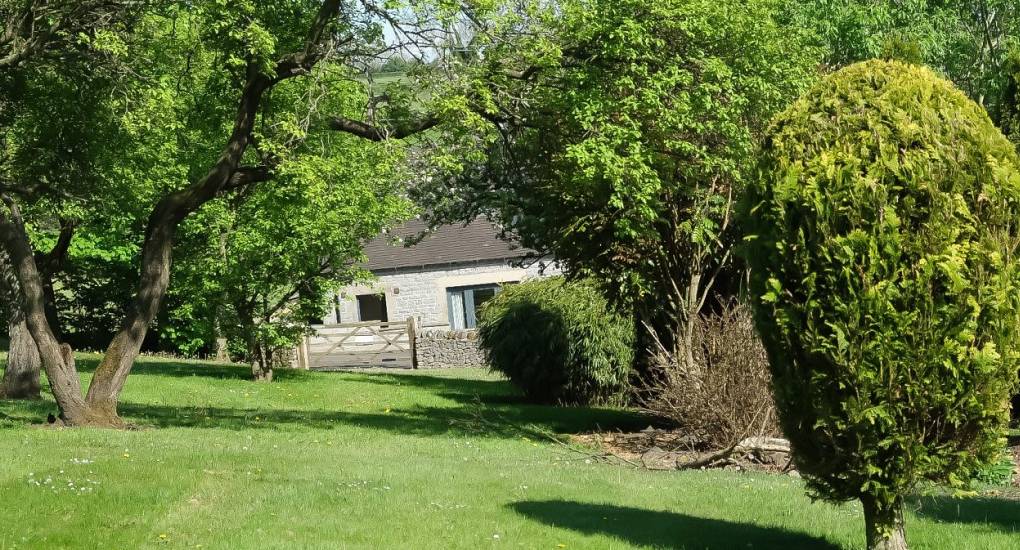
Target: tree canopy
617 139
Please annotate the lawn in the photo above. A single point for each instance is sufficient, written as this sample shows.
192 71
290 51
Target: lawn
395 460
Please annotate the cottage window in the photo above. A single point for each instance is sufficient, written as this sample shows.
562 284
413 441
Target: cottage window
372 307
465 303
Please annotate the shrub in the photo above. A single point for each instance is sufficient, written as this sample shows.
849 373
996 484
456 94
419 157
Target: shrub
882 236
728 396
999 472
558 342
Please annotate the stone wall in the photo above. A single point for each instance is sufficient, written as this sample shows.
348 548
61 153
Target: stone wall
445 349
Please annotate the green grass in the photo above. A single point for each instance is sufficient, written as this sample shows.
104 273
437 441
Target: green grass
387 460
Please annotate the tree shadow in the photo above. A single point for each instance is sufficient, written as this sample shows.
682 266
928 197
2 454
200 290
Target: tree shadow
15 413
509 422
662 529
485 406
151 366
1003 513
461 390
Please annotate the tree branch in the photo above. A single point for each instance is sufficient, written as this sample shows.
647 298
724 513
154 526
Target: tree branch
377 133
53 261
244 176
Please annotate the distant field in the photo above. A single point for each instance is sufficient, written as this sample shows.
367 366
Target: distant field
381 80
396 460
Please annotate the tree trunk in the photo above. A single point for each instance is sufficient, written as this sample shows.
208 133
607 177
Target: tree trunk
260 357
691 309
62 375
262 369
884 525
157 252
21 378
222 350
222 347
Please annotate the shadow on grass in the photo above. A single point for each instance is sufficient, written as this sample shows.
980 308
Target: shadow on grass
179 369
662 529
19 413
497 422
484 407
503 422
461 390
998 512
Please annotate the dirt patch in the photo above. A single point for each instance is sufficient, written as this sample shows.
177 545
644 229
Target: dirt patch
657 449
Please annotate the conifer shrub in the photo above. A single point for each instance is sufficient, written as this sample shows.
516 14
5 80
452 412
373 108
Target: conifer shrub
559 342
882 235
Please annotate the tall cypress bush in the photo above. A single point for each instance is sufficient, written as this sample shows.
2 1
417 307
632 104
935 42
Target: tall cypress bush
883 235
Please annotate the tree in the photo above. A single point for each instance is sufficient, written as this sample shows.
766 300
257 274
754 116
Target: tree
617 141
965 40
260 74
882 241
48 141
280 251
252 48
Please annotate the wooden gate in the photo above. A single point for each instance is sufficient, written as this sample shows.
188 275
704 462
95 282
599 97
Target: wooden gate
374 344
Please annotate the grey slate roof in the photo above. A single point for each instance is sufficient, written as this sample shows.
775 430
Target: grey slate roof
448 244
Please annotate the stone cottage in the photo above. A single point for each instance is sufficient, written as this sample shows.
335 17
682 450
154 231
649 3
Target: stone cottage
442 282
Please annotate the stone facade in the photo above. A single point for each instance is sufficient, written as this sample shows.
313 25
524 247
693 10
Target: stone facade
443 349
421 292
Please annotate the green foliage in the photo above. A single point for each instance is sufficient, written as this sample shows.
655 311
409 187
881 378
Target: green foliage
265 262
999 472
559 342
903 48
633 138
964 40
1010 113
882 238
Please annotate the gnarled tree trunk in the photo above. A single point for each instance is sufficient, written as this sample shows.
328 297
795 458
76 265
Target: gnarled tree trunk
62 375
884 525
21 377
157 253
262 365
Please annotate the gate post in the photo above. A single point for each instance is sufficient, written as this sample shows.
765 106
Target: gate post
303 353
412 337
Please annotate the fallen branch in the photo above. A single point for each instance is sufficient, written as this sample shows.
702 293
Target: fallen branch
580 450
763 445
706 460
748 445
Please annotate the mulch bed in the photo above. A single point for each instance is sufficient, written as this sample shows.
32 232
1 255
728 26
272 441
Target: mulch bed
658 449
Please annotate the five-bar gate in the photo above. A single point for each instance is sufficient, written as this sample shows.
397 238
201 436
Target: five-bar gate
373 344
